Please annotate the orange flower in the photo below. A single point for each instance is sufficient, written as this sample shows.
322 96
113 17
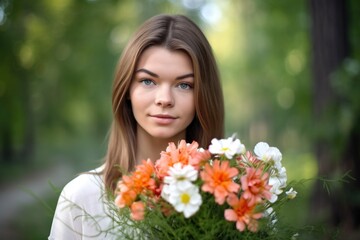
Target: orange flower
242 213
125 192
199 158
142 176
184 153
218 180
130 186
137 211
255 185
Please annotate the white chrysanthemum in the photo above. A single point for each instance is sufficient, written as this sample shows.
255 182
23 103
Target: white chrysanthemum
229 147
181 176
278 183
291 193
187 201
266 153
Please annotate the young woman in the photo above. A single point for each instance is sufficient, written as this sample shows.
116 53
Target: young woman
166 88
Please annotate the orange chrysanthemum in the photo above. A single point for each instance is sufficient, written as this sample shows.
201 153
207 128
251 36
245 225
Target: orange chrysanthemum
218 180
242 213
130 186
187 154
255 185
125 192
142 176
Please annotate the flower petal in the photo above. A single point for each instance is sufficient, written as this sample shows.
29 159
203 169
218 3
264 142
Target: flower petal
230 215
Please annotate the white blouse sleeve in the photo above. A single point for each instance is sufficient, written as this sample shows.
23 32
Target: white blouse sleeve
66 223
81 211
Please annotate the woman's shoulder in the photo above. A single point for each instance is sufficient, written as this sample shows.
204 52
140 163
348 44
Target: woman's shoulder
84 186
82 210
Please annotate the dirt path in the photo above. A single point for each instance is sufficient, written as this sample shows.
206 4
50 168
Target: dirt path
19 194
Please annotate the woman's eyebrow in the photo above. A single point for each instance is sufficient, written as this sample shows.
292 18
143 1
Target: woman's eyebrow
157 76
184 76
148 72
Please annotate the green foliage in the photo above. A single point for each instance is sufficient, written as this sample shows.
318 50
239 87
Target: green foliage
267 80
204 224
344 115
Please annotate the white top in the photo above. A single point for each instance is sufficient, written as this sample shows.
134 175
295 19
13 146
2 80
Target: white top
82 211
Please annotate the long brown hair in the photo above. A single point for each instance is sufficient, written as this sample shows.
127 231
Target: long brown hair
174 32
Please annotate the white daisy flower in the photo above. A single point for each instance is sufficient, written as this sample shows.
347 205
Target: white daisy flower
187 201
181 176
229 147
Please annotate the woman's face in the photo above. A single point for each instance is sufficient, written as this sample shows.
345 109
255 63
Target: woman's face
161 93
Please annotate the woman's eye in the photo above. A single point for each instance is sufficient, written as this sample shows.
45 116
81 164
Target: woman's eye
185 86
147 82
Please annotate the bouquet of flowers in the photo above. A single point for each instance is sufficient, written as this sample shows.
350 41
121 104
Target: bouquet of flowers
223 192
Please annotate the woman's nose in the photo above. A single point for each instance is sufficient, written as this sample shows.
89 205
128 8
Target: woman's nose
164 96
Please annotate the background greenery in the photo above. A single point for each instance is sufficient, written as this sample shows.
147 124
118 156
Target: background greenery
57 60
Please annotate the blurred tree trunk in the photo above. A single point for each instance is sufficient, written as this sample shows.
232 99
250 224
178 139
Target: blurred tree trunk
330 47
17 121
17 134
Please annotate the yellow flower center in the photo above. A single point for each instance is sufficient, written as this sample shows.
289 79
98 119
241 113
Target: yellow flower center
181 178
185 198
224 149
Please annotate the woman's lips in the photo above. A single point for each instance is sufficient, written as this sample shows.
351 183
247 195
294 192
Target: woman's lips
163 119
